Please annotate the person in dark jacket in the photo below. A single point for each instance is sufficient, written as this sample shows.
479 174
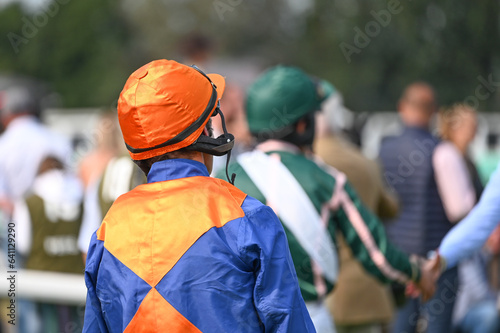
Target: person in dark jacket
434 190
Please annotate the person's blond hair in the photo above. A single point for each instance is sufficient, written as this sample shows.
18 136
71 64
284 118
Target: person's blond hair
450 117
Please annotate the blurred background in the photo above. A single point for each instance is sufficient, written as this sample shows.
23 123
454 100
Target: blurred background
82 51
78 54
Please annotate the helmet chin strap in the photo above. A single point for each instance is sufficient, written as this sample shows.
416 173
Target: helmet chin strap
223 122
233 175
219 146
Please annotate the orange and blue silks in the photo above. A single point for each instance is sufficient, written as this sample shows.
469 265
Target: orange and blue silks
189 253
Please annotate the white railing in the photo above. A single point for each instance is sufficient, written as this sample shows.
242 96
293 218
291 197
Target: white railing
47 287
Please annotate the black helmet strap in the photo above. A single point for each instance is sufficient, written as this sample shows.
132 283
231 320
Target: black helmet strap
219 146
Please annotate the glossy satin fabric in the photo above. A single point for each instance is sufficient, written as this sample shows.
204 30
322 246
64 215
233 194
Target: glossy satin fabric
159 101
189 253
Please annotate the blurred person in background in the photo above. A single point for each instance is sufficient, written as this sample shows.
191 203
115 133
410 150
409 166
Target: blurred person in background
458 125
476 304
375 311
476 309
488 161
196 48
108 146
47 226
466 239
313 201
434 190
236 123
24 143
474 230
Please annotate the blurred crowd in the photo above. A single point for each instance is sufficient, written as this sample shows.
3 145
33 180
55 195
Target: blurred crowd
423 183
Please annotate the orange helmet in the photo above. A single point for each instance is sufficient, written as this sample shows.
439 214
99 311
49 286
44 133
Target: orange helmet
165 106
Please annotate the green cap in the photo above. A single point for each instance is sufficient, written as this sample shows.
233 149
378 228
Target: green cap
326 89
280 97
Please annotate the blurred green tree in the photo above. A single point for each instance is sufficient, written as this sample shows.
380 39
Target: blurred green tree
454 46
89 47
81 48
